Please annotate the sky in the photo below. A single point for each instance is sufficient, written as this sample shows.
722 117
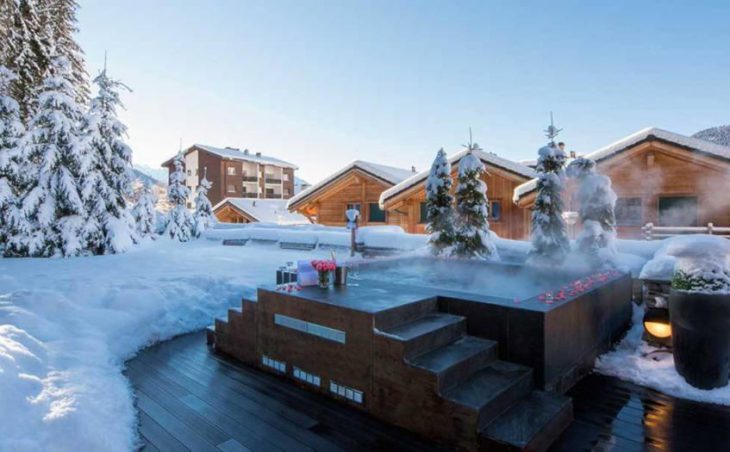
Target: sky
322 83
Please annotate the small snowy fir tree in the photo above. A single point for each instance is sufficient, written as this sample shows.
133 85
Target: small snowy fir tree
180 223
107 185
471 236
439 204
53 206
11 156
203 209
549 239
144 212
597 200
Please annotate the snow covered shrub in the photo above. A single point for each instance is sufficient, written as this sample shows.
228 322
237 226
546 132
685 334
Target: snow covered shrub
702 264
144 213
471 236
549 240
203 209
11 149
439 204
597 201
180 223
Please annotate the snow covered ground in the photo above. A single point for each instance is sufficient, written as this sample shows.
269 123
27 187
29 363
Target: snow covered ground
68 325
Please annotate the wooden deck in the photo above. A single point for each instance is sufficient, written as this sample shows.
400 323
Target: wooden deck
191 399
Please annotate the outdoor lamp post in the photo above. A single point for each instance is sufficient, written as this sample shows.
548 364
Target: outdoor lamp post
657 327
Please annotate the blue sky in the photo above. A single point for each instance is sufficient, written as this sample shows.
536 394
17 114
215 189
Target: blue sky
321 83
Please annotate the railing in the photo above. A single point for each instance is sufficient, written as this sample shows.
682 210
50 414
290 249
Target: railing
272 180
250 178
250 195
652 232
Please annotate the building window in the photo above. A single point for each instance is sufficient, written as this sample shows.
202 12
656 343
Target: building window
348 393
231 170
310 328
312 379
279 366
189 173
423 218
495 210
628 212
375 213
286 177
678 211
189 205
350 206
231 188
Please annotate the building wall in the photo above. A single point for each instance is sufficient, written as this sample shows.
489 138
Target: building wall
227 214
500 187
191 176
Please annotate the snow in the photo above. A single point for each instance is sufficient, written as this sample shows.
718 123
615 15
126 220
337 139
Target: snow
718 135
629 361
68 325
390 237
663 262
237 154
712 149
389 174
488 158
266 210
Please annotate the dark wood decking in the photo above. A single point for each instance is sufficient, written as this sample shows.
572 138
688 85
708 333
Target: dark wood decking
191 399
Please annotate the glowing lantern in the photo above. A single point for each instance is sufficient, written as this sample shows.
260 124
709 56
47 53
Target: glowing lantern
657 327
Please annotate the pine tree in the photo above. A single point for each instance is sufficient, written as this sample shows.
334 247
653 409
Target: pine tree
204 218
107 184
597 200
471 237
11 156
53 206
439 204
144 212
549 239
180 224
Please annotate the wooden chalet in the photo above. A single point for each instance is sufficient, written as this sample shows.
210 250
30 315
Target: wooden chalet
356 186
660 177
405 203
247 210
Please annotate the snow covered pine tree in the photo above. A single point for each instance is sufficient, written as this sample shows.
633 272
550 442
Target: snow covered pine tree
54 210
144 212
11 149
179 221
107 182
203 209
471 238
439 204
597 201
549 240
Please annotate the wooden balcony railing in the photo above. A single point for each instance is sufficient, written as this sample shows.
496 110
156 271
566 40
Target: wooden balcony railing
652 232
250 178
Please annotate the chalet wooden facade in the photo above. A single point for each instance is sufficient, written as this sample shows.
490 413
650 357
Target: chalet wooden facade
236 174
247 210
405 202
660 177
356 186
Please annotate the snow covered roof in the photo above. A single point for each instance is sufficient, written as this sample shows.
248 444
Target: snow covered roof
265 210
694 144
718 135
486 157
237 154
388 174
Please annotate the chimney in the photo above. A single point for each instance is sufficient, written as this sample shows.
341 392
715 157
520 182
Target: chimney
258 154
413 169
572 154
254 203
245 151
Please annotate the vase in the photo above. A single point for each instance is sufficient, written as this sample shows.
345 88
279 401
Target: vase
324 279
701 337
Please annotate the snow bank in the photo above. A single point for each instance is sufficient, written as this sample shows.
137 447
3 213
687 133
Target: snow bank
661 266
629 361
392 237
68 325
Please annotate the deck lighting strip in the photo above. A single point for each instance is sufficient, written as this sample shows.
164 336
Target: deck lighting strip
306 377
348 393
314 329
279 366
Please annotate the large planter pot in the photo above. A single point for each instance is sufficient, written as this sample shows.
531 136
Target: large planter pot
701 337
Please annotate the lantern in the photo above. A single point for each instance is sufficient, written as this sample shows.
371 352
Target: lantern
657 328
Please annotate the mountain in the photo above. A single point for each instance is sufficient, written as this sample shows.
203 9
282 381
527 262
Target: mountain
140 178
156 173
718 135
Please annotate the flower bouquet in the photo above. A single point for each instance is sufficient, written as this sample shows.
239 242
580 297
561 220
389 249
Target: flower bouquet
324 269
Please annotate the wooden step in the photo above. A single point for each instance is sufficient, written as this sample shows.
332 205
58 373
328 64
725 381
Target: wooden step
428 332
455 362
533 424
398 315
491 390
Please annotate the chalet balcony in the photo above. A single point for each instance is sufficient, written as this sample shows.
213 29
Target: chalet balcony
250 178
273 180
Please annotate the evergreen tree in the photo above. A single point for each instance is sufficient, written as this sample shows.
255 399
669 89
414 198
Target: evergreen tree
549 239
144 212
180 223
107 183
203 208
11 156
597 200
439 204
471 237
53 206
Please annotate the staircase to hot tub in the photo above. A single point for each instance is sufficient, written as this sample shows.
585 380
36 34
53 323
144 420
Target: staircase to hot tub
436 379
